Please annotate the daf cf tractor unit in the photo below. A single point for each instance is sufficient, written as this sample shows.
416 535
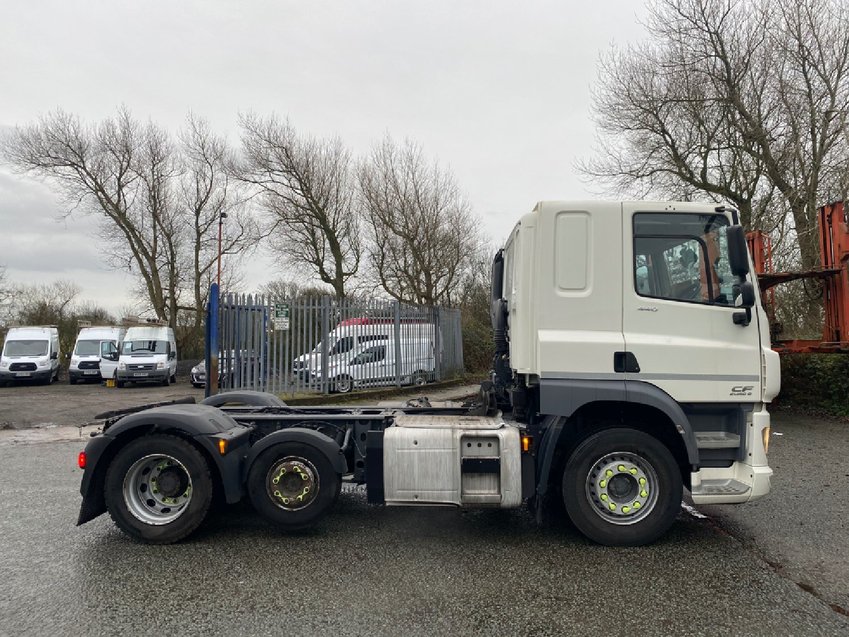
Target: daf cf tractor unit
631 363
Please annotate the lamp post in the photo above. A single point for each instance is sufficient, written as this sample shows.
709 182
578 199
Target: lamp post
221 219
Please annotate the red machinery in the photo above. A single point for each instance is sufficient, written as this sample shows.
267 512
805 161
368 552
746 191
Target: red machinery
833 272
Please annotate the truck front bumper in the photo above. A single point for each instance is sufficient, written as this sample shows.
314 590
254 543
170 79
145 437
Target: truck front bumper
742 481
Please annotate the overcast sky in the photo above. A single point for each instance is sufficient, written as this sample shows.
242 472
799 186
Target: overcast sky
499 92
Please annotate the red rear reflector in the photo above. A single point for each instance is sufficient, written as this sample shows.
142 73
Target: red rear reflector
81 460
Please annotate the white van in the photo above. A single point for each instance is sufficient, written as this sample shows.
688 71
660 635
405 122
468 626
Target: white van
30 353
349 336
148 354
95 354
375 364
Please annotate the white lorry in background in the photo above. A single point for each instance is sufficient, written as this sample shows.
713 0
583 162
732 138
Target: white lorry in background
631 361
351 335
95 354
410 361
148 354
30 353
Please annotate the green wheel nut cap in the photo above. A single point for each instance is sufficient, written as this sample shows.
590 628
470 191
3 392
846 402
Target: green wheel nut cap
644 493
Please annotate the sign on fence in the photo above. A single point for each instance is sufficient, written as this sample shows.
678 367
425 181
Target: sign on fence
281 316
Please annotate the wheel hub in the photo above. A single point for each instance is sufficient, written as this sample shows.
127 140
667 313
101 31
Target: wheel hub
292 483
157 489
622 487
171 482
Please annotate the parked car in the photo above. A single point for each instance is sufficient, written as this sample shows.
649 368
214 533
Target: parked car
198 374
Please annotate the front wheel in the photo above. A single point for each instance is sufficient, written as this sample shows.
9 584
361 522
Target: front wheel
622 487
158 489
293 485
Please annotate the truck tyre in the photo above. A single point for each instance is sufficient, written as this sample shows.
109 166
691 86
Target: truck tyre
343 384
119 383
293 485
158 489
622 487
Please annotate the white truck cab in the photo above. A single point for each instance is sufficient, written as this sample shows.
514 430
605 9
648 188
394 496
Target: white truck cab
95 354
147 354
642 314
30 353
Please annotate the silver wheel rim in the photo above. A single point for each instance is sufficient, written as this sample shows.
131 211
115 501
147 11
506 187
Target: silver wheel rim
419 379
343 385
157 489
622 488
292 483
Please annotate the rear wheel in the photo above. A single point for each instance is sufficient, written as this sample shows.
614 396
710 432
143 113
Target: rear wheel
293 485
158 489
622 487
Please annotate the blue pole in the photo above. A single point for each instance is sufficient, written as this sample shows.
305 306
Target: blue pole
211 352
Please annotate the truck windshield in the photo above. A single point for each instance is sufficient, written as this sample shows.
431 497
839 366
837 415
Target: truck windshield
137 348
87 348
25 348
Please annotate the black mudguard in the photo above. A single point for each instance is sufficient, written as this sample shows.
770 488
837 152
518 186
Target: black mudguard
326 445
202 424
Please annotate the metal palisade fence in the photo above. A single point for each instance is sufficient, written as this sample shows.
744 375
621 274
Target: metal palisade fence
324 345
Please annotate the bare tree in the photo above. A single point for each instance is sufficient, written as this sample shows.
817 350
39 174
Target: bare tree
423 233
6 293
287 289
742 100
308 188
160 202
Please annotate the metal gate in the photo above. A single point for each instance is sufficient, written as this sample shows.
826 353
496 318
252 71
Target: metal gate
323 344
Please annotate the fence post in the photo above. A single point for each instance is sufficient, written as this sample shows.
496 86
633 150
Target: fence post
437 342
397 340
211 353
325 353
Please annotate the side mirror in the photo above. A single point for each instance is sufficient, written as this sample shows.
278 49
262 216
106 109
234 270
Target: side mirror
54 356
745 298
67 354
172 356
738 255
746 295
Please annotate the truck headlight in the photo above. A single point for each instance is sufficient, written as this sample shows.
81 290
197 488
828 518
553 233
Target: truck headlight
4 364
195 370
160 365
44 362
122 366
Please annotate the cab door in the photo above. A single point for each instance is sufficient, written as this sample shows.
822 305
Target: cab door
678 307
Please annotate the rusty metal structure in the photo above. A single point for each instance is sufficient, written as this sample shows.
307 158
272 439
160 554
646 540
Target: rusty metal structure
833 274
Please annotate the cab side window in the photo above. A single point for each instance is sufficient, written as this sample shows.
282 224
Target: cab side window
682 257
